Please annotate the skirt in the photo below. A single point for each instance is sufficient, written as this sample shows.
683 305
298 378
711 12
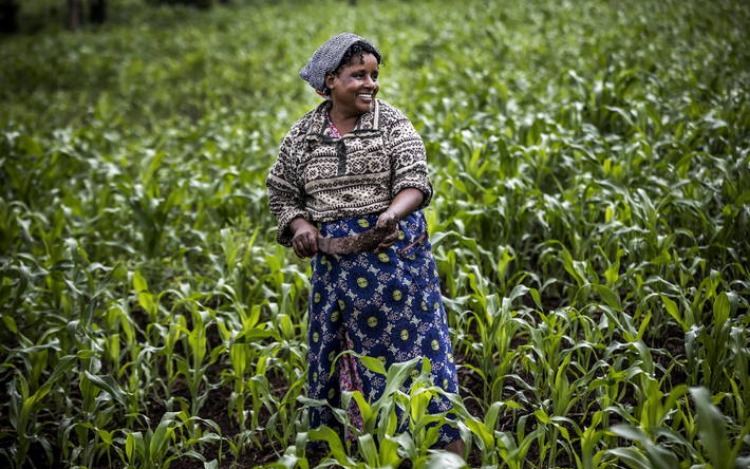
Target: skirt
385 305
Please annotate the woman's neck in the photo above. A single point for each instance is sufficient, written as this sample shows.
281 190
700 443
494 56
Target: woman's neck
345 123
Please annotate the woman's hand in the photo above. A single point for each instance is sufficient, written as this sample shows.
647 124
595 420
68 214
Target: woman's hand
387 223
403 204
305 237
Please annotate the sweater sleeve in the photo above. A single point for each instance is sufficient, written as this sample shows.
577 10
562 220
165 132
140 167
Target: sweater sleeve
409 159
285 196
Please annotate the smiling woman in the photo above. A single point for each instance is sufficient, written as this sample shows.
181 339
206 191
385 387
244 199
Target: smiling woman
353 88
351 170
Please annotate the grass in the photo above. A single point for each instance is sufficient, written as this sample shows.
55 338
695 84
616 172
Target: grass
590 225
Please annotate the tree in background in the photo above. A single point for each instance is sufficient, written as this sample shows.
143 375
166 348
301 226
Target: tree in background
8 16
98 11
203 4
77 12
74 14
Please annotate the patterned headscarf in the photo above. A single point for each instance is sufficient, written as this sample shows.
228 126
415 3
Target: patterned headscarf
327 58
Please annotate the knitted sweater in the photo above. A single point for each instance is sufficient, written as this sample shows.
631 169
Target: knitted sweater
322 178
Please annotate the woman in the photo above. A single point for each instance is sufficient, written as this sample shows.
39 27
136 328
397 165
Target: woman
347 190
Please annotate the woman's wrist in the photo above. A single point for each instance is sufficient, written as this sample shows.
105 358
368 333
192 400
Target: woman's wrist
394 214
298 223
405 202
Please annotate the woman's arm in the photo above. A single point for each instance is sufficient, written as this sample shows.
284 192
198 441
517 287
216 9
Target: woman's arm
285 196
405 202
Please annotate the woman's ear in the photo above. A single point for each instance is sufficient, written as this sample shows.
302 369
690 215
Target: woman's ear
330 78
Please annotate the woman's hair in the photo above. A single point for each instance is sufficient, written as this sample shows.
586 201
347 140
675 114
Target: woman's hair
358 49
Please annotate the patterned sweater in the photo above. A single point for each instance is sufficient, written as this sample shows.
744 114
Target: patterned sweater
322 178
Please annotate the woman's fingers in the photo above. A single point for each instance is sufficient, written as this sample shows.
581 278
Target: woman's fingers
388 240
387 221
391 238
298 249
308 245
305 242
312 243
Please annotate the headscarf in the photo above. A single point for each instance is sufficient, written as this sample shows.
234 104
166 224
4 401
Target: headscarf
327 58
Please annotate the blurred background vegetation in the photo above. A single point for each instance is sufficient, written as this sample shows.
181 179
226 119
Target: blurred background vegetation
591 227
35 15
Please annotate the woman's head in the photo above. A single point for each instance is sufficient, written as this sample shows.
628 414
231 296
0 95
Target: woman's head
352 87
333 56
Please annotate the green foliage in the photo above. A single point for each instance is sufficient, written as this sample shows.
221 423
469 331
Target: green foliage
591 227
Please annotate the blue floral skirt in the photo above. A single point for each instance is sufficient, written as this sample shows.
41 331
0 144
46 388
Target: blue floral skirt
385 305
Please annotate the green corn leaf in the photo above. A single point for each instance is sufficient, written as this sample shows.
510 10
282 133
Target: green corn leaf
368 450
445 460
673 311
633 457
722 308
659 457
406 443
106 436
31 403
609 295
711 428
334 443
10 323
647 361
135 447
139 282
388 452
490 419
629 432
365 409
397 375
542 416
237 356
418 403
477 428
108 384
536 297
373 364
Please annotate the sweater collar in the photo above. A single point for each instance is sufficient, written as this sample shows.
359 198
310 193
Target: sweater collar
367 121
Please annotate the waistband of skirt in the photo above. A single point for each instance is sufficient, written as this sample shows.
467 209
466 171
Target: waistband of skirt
359 224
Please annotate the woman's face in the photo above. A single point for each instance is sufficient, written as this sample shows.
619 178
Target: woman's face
354 86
